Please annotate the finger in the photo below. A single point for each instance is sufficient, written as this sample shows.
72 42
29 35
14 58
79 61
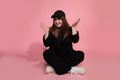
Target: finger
47 26
78 20
41 24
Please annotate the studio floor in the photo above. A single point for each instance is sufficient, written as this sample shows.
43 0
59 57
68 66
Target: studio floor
22 67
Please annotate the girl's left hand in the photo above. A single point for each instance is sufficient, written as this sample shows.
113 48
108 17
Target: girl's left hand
75 24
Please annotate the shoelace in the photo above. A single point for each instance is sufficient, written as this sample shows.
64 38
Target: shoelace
75 70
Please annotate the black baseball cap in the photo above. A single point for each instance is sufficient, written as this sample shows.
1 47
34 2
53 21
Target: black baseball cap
58 14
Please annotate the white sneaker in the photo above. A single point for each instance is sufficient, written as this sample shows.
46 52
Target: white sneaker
77 70
49 69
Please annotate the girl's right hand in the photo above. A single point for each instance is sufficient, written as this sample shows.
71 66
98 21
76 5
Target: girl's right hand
45 28
76 23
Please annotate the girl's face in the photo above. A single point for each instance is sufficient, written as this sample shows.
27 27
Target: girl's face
57 22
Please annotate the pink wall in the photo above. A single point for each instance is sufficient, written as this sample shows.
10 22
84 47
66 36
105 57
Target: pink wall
99 26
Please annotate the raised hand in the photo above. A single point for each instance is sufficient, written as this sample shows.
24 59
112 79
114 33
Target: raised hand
75 24
45 28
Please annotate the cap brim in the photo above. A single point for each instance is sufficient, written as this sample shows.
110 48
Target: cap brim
53 16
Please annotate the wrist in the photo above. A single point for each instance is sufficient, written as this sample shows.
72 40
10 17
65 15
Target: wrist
74 31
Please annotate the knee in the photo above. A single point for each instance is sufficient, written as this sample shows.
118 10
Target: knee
81 55
45 54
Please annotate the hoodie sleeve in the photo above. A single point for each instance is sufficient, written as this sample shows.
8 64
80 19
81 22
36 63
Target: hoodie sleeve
47 42
75 38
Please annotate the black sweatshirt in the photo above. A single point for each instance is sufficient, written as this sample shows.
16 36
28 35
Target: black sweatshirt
60 45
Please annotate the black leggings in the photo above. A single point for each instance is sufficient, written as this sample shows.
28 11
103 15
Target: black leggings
63 64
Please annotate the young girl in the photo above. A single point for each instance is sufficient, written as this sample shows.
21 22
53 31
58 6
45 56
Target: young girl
61 57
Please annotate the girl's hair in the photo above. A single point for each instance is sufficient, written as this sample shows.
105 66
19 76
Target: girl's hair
64 28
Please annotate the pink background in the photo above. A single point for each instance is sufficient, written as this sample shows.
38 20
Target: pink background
21 43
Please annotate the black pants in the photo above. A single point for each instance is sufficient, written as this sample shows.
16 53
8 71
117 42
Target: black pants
63 63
